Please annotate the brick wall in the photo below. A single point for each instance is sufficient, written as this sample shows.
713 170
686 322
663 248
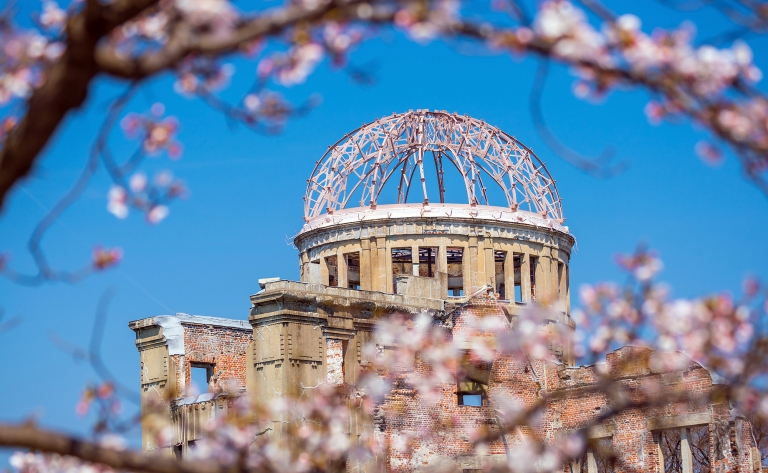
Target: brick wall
222 347
574 403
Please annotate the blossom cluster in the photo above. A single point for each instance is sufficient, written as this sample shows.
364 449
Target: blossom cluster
156 133
145 195
23 57
28 462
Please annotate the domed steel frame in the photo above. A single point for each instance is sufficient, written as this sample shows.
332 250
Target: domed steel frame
367 158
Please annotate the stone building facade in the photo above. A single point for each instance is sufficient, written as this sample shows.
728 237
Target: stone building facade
452 261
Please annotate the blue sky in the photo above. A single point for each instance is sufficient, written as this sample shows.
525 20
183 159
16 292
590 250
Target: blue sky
707 223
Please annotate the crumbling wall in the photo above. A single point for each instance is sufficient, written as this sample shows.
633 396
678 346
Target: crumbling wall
222 347
575 402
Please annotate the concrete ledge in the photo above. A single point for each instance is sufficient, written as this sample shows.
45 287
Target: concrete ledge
310 296
676 422
601 431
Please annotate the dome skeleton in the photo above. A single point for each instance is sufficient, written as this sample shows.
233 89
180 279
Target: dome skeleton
395 147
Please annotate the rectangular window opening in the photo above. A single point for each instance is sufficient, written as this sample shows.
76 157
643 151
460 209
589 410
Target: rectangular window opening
353 270
499 259
455 270
534 266
517 266
402 264
177 452
472 382
669 448
333 270
560 279
200 375
599 451
699 438
427 261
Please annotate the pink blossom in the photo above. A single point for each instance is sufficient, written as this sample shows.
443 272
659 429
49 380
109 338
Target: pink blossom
117 199
299 63
52 16
157 213
103 258
138 182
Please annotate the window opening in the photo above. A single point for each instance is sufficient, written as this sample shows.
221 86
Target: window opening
455 270
427 261
517 265
699 438
534 265
402 264
177 451
671 448
333 271
560 276
200 375
601 455
353 270
472 382
670 451
499 259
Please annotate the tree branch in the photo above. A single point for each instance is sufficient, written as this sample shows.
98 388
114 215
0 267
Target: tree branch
65 88
34 438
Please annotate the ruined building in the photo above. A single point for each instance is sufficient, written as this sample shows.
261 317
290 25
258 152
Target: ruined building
398 219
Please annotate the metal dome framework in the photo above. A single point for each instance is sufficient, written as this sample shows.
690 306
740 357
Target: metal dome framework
394 149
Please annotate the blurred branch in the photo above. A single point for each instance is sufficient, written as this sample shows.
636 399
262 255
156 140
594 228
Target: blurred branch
44 271
65 88
32 437
600 166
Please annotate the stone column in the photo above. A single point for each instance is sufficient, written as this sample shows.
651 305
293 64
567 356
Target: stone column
544 286
509 275
366 283
304 262
382 269
567 270
442 258
525 277
385 264
341 269
591 463
415 260
324 271
441 262
685 450
490 263
471 266
554 276
562 275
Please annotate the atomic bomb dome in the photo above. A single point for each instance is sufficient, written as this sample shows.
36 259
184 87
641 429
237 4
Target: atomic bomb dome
407 162
437 205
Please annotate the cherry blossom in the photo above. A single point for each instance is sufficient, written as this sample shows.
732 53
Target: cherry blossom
104 258
52 16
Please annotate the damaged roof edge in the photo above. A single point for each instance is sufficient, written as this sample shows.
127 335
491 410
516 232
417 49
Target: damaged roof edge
173 330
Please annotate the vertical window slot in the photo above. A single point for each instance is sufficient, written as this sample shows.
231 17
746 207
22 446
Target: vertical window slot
499 261
455 257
